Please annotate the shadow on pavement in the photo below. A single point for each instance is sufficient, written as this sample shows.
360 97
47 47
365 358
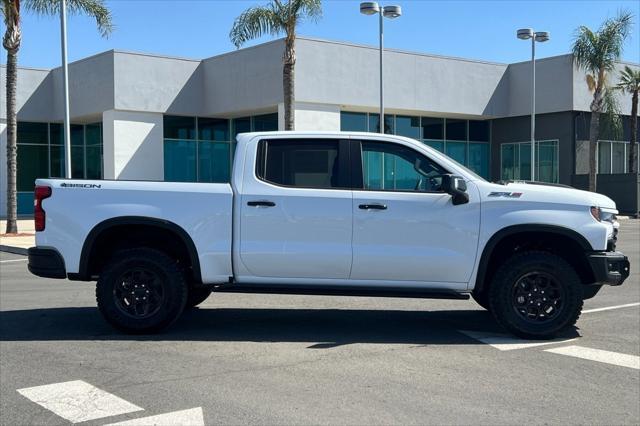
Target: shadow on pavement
329 327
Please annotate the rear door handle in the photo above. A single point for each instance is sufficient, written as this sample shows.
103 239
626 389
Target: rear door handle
373 206
261 203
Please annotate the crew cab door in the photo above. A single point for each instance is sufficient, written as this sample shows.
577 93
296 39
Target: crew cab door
296 210
405 227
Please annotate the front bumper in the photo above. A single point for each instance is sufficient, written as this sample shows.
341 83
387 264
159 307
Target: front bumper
46 262
609 268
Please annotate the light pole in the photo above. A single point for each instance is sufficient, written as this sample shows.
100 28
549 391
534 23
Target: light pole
65 85
540 36
391 12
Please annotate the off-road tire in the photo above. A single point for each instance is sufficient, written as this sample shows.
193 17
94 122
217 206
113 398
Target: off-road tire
197 295
503 301
167 280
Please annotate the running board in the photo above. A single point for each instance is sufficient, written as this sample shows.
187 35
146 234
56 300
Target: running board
341 291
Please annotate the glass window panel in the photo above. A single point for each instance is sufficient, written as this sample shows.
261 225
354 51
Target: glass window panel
241 125
456 130
439 145
408 126
479 158
457 151
33 163
213 129
213 162
353 121
524 161
374 123
508 169
57 134
478 131
372 170
433 128
32 133
94 162
180 161
265 123
93 134
305 164
25 203
77 135
177 127
77 162
401 168
547 162
57 161
604 157
617 157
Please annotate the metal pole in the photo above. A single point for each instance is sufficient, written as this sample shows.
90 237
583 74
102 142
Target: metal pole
533 107
65 83
381 77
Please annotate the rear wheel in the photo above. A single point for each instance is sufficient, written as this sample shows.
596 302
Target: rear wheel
141 291
535 295
197 295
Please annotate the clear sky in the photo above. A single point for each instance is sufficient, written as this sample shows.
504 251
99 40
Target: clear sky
198 29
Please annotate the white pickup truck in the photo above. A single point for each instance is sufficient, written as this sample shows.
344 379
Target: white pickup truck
333 214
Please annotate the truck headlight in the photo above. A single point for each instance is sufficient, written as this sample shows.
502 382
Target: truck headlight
603 214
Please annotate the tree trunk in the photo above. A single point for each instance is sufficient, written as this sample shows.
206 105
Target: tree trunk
12 149
633 144
594 130
288 81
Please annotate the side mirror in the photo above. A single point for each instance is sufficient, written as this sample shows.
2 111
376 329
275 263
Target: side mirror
456 187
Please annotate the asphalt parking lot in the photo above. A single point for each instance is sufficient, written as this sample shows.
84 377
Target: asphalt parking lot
272 359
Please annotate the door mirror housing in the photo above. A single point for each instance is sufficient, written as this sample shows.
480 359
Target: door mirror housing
456 187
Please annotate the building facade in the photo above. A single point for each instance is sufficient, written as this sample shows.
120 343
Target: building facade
137 116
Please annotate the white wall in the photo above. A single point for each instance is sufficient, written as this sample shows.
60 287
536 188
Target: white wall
133 145
3 169
318 117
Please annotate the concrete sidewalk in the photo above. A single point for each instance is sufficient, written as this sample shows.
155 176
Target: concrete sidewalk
25 239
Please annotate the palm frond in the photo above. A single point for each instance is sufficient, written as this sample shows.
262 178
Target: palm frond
591 82
256 22
611 120
629 80
311 9
93 8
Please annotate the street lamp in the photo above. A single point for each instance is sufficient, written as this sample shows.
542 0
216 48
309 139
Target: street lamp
539 36
391 12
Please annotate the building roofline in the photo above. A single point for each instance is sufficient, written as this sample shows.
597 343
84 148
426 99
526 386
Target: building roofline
255 46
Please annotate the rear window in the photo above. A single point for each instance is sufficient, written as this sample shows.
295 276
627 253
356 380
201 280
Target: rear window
308 163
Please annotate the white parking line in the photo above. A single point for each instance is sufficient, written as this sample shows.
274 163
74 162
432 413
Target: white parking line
505 342
13 260
598 355
192 417
608 308
78 401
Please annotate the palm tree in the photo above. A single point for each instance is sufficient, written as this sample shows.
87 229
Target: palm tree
596 53
277 17
11 41
630 83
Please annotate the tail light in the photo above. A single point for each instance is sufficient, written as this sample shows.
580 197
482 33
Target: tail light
39 215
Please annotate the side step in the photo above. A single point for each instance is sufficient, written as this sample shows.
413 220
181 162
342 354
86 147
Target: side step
341 291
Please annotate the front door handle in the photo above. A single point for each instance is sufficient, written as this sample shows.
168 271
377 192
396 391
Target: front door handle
373 206
261 203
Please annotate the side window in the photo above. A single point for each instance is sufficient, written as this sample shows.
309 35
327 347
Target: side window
393 167
301 163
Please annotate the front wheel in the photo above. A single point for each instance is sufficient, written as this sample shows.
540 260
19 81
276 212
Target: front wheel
141 291
535 295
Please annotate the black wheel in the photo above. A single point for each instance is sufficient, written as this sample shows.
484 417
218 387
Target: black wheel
197 295
141 291
482 299
535 295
